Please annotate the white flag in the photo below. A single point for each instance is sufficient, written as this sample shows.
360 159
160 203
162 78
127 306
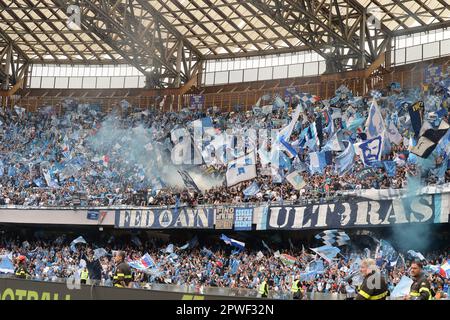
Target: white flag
296 180
393 134
241 169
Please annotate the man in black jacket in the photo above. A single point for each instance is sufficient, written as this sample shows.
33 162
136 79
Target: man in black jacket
421 288
122 276
374 286
93 266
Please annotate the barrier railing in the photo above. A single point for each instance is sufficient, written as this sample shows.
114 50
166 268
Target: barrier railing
189 289
326 199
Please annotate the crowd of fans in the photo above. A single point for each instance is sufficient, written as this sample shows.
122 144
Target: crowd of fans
215 266
83 156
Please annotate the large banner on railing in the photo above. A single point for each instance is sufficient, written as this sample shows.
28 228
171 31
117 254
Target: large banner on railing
20 289
243 219
224 218
361 213
172 218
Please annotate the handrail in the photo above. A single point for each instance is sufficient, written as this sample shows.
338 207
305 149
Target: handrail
213 291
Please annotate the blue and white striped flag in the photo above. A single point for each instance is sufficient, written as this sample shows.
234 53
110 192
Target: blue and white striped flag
326 252
232 242
344 161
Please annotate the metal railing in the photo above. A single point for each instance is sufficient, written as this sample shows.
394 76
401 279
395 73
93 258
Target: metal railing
211 291
300 202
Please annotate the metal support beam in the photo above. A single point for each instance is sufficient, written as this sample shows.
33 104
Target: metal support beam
7 68
362 61
336 29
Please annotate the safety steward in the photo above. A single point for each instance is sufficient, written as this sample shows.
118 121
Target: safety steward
420 288
296 290
122 276
264 288
374 286
21 271
84 276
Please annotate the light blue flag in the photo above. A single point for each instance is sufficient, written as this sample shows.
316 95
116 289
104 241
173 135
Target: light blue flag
387 251
191 244
73 244
184 247
169 248
234 266
402 288
318 161
390 167
38 182
284 162
6 265
412 158
2 168
11 171
289 148
207 252
308 276
334 144
316 266
416 255
355 265
275 157
344 161
440 171
277 175
264 156
356 123
312 139
100 252
251 190
303 134
375 123
326 252
278 103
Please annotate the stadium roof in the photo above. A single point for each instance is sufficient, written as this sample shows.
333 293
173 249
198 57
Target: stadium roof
171 36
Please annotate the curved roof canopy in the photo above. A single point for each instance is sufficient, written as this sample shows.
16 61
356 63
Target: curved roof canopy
171 36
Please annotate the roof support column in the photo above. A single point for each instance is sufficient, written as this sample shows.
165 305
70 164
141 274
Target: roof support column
362 39
7 67
178 69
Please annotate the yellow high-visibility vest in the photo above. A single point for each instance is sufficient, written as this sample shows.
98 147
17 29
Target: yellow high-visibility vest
295 287
262 288
84 275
